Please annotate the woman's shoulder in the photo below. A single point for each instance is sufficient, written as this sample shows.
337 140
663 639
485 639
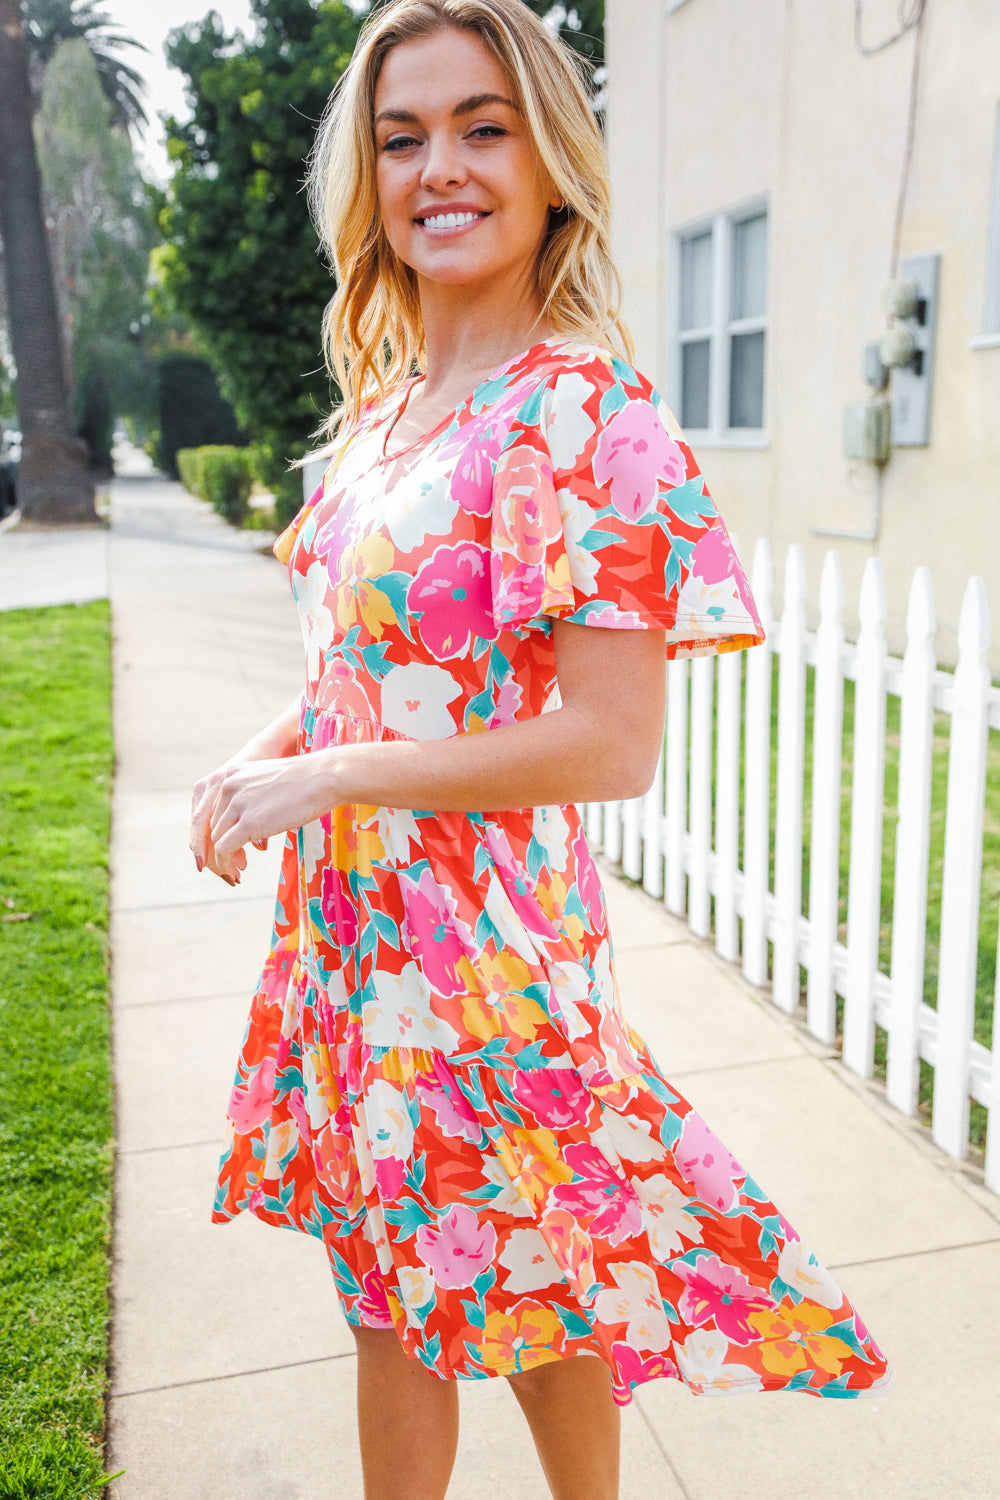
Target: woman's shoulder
585 374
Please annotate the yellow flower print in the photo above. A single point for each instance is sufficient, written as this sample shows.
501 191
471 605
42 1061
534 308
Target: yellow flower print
532 1161
353 847
527 1334
794 1339
359 600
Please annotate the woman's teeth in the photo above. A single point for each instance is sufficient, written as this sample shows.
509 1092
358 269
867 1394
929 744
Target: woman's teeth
450 221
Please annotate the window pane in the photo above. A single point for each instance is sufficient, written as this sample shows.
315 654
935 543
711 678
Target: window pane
749 288
746 380
696 281
694 384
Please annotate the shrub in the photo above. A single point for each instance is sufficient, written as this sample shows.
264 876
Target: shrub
189 469
226 477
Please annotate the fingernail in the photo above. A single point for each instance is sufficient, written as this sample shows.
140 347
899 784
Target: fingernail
199 862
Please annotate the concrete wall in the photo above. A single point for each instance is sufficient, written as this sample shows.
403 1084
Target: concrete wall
719 101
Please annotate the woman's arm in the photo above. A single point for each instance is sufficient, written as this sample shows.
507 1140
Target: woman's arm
273 743
601 744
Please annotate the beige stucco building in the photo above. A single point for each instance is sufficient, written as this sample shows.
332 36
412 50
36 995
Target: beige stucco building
771 173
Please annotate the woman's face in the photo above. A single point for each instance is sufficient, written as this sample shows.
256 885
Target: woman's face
463 198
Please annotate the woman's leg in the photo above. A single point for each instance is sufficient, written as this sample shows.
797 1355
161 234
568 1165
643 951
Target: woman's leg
575 1424
407 1420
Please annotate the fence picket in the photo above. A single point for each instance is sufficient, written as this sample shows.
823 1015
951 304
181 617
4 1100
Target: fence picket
727 805
700 776
652 833
788 811
613 831
963 854
631 821
824 857
594 825
909 906
992 1171
757 777
864 896
677 783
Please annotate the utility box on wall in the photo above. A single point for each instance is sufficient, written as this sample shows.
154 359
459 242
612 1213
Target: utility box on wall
913 383
866 431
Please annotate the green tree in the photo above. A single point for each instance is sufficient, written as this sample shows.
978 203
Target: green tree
101 233
53 484
241 262
49 23
580 24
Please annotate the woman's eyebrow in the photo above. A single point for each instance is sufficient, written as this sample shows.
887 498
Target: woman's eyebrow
465 107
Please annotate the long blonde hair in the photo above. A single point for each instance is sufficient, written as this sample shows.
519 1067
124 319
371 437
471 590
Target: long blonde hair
372 329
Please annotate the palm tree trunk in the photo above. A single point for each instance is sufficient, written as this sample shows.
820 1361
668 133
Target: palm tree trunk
54 484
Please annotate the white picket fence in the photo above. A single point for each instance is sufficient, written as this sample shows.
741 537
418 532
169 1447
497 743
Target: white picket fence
682 840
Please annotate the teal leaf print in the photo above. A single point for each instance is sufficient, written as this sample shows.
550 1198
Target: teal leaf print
386 927
406 1215
576 1326
474 1314
483 861
689 502
613 400
847 1334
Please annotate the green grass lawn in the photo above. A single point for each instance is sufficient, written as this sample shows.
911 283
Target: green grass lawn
55 1077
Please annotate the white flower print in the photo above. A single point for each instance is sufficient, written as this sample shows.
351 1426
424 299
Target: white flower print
416 1288
567 426
403 1016
390 1128
799 1268
396 827
415 701
412 514
577 519
551 830
571 987
508 1200
628 1140
702 1362
636 1302
669 1227
311 590
528 1261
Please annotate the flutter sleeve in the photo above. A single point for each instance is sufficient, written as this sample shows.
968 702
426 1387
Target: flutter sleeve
601 517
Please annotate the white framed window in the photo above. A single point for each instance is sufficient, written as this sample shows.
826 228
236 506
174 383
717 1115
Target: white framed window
991 312
719 336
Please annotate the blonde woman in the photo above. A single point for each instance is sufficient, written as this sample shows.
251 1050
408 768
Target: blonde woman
437 1079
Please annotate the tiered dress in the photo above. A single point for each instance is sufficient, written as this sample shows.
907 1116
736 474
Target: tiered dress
437 1079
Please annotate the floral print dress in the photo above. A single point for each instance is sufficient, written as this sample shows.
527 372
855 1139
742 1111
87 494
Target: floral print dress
437 1078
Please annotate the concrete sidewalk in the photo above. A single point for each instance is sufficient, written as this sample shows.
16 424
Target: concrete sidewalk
233 1371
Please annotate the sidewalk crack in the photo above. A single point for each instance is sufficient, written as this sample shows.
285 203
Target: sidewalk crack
179 1385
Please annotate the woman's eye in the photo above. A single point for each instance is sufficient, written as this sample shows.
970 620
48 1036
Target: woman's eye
399 143
488 132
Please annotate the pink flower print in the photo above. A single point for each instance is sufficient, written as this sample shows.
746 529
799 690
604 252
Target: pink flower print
631 1369
588 882
250 1107
518 593
453 1112
458 1247
555 1096
373 1305
523 522
634 453
472 480
517 885
339 912
606 1200
717 1291
435 936
452 596
297 1109
703 1160
390 1174
508 701
714 560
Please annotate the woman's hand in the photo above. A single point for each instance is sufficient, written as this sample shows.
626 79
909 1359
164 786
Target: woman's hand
255 799
273 743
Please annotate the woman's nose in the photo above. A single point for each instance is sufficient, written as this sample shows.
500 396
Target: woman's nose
443 165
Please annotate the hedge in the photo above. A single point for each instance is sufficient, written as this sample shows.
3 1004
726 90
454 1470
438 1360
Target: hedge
222 476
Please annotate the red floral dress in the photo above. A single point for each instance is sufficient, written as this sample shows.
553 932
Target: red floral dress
437 1079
